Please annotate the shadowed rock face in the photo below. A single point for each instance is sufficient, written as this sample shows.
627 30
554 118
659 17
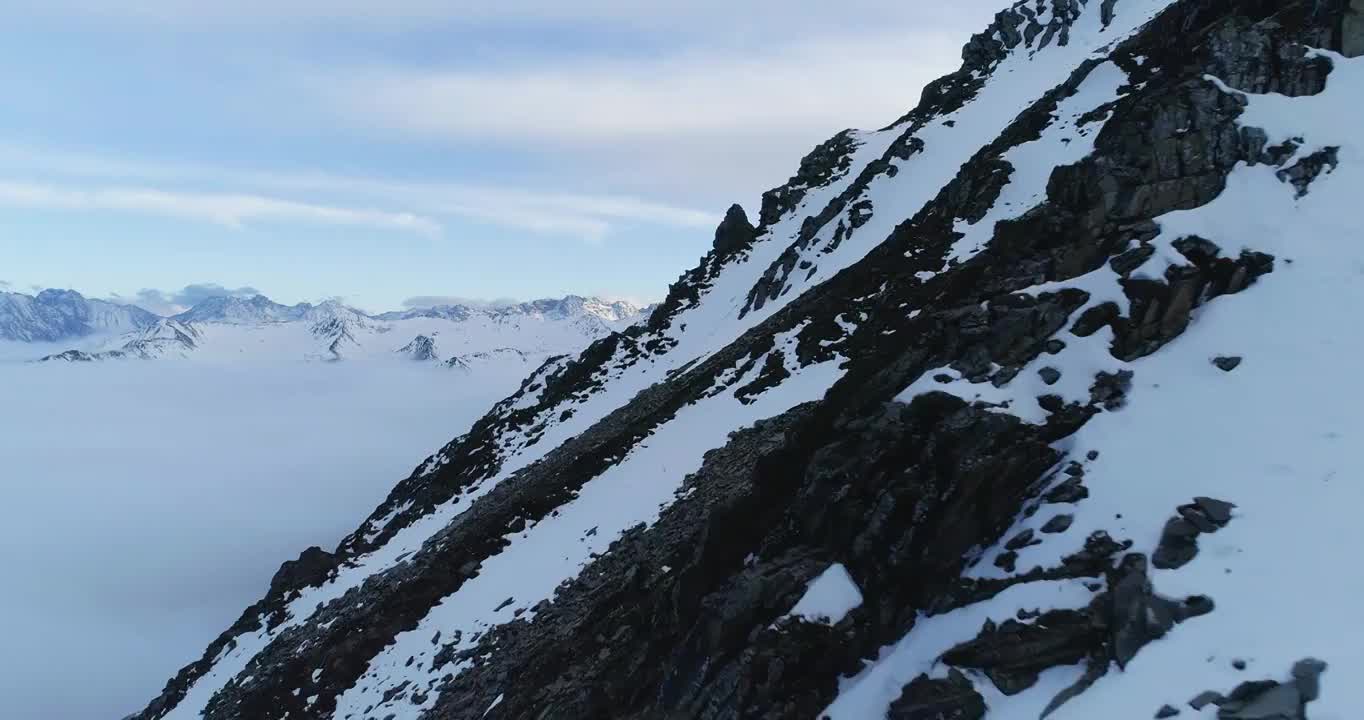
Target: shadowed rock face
952 698
1352 30
684 618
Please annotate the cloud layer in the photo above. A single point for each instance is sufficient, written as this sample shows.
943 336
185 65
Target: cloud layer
813 86
171 302
78 182
709 16
159 498
231 209
430 301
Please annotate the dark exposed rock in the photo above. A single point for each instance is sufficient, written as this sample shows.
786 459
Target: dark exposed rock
1097 317
1095 668
312 567
1070 491
1007 561
1271 700
1013 653
1195 517
950 698
1219 511
1110 389
1206 698
830 159
1099 547
1179 540
1125 263
1127 617
1139 616
860 214
1049 375
1021 540
1058 524
1226 364
1166 711
1352 30
735 232
1178 544
1302 173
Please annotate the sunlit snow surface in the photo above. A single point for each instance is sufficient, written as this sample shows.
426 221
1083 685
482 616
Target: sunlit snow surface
1280 437
829 597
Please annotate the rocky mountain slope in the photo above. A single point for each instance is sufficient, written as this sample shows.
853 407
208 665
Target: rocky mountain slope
1029 404
60 315
257 328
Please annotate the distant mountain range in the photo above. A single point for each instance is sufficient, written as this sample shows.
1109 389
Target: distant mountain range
460 336
58 315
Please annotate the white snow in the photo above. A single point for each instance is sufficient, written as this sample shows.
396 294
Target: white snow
1279 436
1064 142
523 335
829 597
870 693
951 140
633 491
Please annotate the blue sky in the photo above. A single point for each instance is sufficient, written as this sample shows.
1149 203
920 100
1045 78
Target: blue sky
381 151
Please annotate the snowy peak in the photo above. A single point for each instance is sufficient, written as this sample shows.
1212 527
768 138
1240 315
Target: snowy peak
258 309
252 329
331 310
505 357
164 338
612 312
58 315
573 305
242 311
421 349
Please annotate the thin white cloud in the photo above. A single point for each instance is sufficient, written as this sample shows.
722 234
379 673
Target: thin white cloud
583 215
430 301
710 102
163 302
711 15
807 87
701 126
231 209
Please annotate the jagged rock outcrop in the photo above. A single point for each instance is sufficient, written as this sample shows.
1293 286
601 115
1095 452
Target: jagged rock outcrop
421 349
163 338
625 536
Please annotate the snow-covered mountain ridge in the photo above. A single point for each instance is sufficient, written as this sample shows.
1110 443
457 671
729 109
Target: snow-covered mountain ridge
1047 370
58 315
259 328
